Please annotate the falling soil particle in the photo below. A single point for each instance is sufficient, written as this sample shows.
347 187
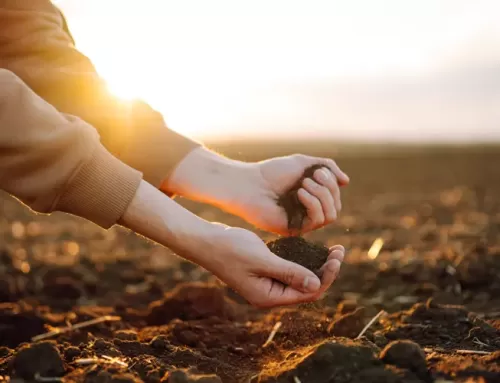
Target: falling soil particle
296 212
298 250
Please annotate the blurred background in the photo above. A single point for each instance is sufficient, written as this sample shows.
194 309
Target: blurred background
361 70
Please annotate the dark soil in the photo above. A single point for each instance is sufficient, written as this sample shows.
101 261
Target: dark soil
298 250
437 276
289 201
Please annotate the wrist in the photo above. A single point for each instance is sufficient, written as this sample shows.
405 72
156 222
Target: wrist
162 220
208 177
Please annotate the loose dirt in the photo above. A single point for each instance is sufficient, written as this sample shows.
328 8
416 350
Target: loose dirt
437 276
298 250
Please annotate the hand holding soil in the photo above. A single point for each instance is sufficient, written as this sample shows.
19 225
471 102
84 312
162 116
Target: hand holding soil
236 256
247 265
253 191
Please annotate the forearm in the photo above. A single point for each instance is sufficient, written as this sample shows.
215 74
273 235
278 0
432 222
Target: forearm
164 221
208 177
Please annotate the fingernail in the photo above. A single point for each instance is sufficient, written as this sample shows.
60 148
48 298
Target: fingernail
339 255
311 284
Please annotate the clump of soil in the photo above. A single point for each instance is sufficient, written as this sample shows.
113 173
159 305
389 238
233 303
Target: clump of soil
349 325
298 250
296 212
192 301
407 355
40 359
341 360
452 326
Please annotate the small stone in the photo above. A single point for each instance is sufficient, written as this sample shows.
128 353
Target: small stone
160 342
187 337
71 353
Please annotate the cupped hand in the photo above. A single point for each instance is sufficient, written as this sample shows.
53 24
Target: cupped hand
243 261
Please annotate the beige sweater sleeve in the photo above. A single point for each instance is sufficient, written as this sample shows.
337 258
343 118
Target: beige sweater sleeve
55 162
36 45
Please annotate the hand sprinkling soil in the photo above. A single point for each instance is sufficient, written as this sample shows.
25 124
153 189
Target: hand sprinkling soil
296 248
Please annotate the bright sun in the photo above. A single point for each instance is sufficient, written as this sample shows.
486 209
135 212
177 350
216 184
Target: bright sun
210 67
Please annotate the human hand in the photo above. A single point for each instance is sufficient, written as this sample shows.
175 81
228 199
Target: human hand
251 190
319 193
243 261
236 256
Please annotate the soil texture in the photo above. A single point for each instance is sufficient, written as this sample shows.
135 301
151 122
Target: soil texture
298 250
79 304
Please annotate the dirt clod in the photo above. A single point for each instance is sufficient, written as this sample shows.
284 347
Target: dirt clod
348 325
40 358
298 250
342 359
408 355
192 301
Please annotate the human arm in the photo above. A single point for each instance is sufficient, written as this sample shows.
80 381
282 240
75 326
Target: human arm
236 256
55 162
251 190
35 46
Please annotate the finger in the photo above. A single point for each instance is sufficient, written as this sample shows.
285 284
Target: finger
325 198
328 180
332 165
330 272
278 294
336 254
315 216
292 274
337 247
275 294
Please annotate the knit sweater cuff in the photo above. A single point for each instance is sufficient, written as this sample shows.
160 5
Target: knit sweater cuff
101 190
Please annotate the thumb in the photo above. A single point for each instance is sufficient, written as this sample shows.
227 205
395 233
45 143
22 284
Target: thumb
293 275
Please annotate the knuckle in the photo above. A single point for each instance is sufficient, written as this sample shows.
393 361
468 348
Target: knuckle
299 157
317 220
324 191
288 276
330 217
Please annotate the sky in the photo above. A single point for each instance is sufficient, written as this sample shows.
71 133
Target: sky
390 70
